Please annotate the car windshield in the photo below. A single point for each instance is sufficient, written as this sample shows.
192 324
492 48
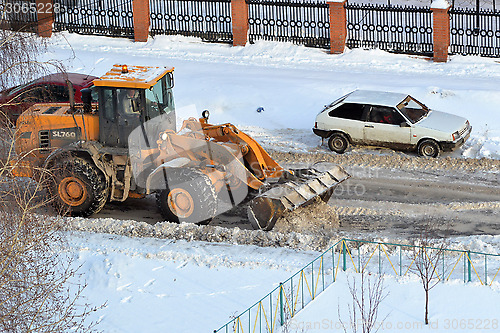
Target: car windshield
413 110
21 87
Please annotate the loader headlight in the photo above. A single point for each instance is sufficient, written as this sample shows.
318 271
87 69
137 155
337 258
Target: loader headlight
164 136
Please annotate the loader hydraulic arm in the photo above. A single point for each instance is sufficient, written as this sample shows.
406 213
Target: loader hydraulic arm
257 159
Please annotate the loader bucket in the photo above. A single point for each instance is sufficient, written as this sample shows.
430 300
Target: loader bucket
308 184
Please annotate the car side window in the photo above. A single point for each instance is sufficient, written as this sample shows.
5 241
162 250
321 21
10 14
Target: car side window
348 111
59 93
385 115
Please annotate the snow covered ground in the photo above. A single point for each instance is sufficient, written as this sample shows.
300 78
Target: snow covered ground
152 285
177 286
292 83
454 307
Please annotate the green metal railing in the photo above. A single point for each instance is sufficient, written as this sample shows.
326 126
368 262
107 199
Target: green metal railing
283 302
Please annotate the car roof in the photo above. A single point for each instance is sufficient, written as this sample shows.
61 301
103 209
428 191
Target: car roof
382 98
78 80
75 78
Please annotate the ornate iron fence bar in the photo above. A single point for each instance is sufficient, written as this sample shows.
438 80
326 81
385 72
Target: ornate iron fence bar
90 17
398 29
17 15
475 32
209 20
299 22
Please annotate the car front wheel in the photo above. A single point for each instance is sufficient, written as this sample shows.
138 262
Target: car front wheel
338 143
428 148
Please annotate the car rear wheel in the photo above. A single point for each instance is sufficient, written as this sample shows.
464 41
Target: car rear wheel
428 148
338 143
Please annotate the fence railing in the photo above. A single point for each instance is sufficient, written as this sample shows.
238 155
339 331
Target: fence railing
89 17
391 28
300 22
209 20
283 302
400 29
475 32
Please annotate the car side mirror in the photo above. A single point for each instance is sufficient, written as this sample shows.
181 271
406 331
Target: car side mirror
404 124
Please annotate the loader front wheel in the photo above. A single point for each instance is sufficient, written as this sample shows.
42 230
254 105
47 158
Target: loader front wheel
189 197
76 187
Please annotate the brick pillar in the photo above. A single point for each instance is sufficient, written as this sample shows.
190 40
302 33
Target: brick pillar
338 26
239 12
45 20
441 33
141 20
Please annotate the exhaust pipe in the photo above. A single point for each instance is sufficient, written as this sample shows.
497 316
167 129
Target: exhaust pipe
71 93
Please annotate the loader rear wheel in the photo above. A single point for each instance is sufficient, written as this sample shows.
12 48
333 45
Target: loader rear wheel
338 143
191 198
77 187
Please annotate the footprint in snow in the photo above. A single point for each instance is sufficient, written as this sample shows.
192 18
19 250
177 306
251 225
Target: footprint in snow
126 299
150 282
182 265
123 287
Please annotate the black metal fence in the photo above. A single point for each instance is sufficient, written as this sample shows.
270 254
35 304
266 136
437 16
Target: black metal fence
95 17
299 22
390 28
18 15
401 29
475 32
208 19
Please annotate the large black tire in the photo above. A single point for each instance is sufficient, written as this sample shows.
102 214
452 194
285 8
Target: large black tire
189 197
338 143
428 148
76 187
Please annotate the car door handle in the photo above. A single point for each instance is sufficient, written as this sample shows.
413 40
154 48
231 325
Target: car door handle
369 126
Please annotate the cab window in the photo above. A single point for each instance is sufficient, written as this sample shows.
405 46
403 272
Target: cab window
157 99
106 105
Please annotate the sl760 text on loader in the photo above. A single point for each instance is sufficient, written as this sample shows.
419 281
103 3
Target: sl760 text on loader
126 146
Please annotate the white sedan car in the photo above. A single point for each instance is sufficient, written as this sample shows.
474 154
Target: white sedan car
392 120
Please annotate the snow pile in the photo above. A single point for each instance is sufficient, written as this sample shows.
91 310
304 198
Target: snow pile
193 232
440 4
396 161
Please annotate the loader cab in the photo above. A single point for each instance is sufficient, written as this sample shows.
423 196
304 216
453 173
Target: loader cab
132 98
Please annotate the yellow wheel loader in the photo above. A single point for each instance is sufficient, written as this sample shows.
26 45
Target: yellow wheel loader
122 142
